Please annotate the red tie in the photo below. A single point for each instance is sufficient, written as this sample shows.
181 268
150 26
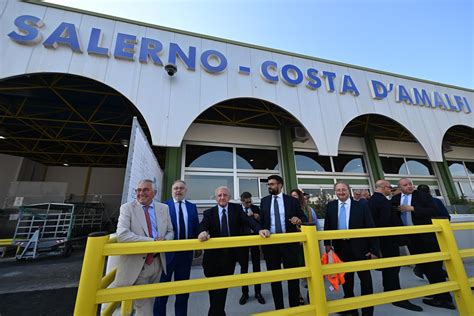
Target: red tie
149 257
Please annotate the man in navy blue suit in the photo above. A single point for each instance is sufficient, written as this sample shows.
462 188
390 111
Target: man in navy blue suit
346 213
184 217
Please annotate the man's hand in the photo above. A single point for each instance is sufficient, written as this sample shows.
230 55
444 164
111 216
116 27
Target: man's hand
264 233
295 220
406 208
204 236
370 255
328 248
256 216
158 238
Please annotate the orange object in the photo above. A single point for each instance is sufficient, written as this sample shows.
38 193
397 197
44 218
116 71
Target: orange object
334 279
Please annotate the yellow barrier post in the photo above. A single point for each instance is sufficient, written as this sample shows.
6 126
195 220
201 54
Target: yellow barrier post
91 275
455 267
312 256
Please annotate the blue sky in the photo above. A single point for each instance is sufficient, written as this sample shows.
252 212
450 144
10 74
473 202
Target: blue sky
426 39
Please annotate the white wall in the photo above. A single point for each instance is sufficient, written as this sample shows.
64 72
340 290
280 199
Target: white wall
460 153
390 147
10 167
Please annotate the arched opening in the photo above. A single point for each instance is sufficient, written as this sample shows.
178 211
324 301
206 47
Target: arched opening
458 149
62 128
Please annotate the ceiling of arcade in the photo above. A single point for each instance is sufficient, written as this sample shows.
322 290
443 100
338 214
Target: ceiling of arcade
56 119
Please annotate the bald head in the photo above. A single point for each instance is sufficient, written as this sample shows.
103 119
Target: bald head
383 186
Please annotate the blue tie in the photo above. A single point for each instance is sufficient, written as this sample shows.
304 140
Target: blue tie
405 214
342 217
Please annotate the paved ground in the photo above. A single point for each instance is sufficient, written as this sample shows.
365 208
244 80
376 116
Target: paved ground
48 287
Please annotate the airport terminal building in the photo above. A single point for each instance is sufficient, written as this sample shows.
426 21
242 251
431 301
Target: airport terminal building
216 112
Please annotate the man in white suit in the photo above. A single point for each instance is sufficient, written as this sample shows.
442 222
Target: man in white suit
142 220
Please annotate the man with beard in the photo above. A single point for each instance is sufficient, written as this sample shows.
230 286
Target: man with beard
281 213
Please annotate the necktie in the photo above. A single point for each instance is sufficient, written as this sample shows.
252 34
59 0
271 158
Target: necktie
224 227
149 257
342 217
276 214
182 226
405 214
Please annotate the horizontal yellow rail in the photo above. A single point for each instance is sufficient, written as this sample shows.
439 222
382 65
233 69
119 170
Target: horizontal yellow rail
392 296
6 242
471 282
466 253
131 248
372 264
377 232
463 226
198 285
305 310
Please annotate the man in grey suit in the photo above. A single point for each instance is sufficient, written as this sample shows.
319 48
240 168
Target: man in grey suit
142 220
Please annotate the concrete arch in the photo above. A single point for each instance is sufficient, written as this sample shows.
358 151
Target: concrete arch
445 131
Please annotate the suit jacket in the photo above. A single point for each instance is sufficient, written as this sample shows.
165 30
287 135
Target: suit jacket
423 204
384 215
292 209
192 227
236 219
360 217
246 230
132 227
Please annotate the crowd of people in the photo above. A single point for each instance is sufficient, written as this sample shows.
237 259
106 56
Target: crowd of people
144 219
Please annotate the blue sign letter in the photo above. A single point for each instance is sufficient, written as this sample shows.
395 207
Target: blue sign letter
313 80
125 46
378 90
27 26
65 34
286 77
94 42
421 98
348 85
329 76
150 48
402 95
438 101
213 54
264 71
189 61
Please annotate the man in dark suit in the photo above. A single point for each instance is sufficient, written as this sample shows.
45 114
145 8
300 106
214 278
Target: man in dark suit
184 217
281 213
345 213
223 220
385 216
251 211
417 208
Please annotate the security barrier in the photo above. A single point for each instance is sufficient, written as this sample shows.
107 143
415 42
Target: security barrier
93 285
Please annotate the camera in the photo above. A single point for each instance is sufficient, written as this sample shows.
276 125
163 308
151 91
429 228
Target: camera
171 69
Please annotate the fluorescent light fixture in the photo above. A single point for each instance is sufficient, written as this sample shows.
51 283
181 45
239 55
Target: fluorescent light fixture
124 142
65 164
2 137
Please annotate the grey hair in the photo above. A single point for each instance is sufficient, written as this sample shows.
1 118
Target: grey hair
178 181
222 187
153 184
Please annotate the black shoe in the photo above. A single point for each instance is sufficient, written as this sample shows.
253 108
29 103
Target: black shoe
440 304
407 305
418 272
243 299
260 298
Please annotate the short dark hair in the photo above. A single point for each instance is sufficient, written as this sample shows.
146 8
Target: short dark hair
275 177
424 188
245 195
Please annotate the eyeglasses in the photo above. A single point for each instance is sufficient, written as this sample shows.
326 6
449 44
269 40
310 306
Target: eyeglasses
144 190
269 184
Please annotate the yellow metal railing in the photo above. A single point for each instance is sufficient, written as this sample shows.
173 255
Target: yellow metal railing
6 242
93 285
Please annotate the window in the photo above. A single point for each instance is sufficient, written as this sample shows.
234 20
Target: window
349 164
462 172
307 161
457 168
419 167
240 169
406 166
392 165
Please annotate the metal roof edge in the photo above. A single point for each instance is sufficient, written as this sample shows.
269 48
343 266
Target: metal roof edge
214 38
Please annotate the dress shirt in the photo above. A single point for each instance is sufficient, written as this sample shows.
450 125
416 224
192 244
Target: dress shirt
408 214
151 212
281 210
348 210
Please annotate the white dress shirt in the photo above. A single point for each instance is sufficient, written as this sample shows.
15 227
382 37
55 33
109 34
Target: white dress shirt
185 215
348 210
281 210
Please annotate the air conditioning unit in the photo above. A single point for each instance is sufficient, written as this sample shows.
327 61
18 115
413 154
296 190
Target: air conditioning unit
300 134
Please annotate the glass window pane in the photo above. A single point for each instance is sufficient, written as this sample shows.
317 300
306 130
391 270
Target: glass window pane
249 185
470 166
393 165
467 189
208 157
457 168
262 159
306 161
263 187
349 163
202 187
419 166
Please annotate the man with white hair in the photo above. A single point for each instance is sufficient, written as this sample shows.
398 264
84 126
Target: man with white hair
142 220
223 220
